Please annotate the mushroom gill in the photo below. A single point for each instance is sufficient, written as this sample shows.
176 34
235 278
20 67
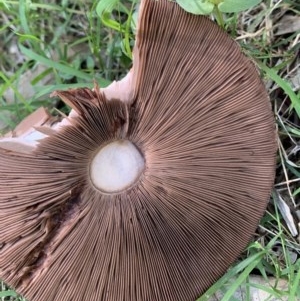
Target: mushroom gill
198 128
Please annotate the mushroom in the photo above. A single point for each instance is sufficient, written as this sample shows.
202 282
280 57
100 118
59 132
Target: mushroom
151 197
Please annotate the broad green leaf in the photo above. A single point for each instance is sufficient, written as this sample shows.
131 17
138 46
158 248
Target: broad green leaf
234 6
197 7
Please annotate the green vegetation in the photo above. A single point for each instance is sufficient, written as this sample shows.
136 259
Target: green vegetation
217 7
50 45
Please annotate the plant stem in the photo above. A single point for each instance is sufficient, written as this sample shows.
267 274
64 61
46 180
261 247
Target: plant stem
219 16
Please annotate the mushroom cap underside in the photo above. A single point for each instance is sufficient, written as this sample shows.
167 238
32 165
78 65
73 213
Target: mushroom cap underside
198 113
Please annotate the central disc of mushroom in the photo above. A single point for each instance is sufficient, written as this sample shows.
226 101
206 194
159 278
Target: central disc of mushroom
116 166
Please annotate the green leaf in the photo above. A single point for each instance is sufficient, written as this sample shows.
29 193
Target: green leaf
55 65
90 63
23 16
244 267
296 282
134 20
61 67
197 7
234 6
8 293
241 278
284 85
104 9
111 23
26 37
45 90
105 6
